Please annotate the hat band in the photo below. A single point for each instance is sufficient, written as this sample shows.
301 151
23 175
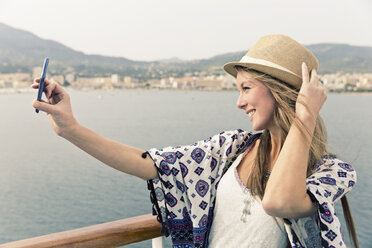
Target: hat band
247 59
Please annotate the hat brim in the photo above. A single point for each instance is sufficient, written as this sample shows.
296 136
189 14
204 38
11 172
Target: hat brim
285 76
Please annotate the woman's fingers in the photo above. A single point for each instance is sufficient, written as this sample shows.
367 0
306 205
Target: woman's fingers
311 78
305 73
43 106
37 82
49 89
314 77
46 81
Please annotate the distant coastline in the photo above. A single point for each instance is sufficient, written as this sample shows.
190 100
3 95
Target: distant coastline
352 93
30 90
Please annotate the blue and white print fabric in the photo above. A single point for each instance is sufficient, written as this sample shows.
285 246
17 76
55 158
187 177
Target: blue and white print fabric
331 180
183 196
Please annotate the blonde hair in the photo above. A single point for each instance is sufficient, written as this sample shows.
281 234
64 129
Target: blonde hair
284 116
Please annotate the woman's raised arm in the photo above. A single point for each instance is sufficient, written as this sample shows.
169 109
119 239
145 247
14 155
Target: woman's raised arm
286 192
119 156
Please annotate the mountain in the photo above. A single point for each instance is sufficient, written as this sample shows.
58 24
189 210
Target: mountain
170 60
342 57
20 51
332 58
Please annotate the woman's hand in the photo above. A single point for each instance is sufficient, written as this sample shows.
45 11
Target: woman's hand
311 97
57 107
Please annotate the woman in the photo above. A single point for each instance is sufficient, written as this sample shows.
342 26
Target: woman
239 189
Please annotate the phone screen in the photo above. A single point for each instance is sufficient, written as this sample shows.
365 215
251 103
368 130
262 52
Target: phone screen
42 78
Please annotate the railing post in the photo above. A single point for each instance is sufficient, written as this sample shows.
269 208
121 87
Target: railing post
157 242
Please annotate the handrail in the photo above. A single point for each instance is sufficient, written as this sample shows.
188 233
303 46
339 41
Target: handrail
110 234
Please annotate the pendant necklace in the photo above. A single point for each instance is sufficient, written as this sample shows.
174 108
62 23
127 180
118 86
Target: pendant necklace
249 200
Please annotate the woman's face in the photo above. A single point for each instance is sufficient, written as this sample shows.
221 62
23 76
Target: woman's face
256 100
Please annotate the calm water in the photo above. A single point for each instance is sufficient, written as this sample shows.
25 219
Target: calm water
47 185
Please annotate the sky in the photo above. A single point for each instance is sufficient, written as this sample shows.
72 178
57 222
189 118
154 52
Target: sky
193 29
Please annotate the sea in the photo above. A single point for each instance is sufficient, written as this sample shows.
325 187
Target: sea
48 185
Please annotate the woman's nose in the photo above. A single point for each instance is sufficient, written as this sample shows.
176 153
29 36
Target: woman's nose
240 103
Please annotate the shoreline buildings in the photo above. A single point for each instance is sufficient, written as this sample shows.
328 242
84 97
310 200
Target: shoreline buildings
335 82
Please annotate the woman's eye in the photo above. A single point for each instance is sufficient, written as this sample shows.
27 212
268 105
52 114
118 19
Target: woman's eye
244 88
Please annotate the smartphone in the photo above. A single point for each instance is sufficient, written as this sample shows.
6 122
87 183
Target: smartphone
42 78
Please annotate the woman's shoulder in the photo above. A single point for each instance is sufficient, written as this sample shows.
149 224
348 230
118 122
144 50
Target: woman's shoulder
331 179
224 145
238 135
332 162
234 142
235 132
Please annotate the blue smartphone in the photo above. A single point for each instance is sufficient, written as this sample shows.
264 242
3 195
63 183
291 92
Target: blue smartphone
42 78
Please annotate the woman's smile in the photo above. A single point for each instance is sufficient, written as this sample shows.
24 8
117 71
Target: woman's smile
251 113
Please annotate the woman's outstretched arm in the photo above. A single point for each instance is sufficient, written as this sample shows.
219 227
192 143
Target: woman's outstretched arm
119 156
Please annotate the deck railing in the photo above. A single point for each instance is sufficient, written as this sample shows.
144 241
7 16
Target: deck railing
110 234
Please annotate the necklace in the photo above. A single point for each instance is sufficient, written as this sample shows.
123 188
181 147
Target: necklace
249 200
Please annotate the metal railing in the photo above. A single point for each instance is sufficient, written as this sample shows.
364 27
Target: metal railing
110 234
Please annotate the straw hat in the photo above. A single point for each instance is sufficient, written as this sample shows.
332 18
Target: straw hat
278 56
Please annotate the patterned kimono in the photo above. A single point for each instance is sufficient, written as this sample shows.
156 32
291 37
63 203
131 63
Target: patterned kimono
184 195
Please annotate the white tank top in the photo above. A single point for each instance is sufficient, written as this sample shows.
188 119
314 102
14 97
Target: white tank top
227 230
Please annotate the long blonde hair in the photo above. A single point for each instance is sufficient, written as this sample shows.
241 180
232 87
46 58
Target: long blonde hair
284 116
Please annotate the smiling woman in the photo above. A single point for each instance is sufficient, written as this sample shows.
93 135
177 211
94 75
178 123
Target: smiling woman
273 188
281 116
278 172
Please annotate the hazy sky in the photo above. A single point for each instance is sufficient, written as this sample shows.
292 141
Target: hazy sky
192 29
